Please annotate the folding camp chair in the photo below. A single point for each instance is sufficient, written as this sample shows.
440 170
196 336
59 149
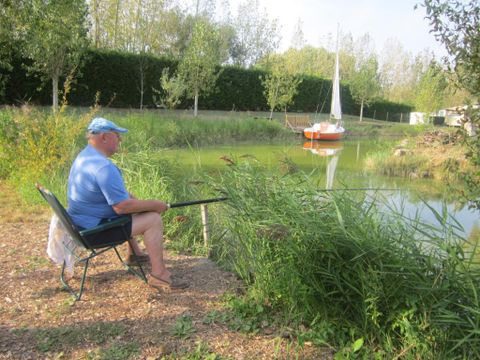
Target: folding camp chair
80 239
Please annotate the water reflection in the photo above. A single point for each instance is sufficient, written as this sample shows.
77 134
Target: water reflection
326 149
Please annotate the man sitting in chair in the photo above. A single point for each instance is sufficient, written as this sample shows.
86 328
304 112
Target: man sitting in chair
97 194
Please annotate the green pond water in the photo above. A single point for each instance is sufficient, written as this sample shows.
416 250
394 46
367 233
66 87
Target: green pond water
336 165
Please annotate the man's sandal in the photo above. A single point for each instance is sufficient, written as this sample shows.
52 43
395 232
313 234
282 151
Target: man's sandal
174 284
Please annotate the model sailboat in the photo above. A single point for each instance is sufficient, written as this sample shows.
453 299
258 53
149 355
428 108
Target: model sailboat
330 130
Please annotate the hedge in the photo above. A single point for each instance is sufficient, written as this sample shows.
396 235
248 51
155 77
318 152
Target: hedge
117 78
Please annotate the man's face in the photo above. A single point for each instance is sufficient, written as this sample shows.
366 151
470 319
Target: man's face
112 141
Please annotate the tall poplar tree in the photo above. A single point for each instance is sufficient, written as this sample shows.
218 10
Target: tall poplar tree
256 36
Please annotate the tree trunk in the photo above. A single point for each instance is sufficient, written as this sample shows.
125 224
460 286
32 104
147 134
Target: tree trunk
142 79
141 90
97 24
361 111
195 107
55 92
117 9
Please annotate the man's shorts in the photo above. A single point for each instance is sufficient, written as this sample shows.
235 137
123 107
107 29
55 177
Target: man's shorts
113 236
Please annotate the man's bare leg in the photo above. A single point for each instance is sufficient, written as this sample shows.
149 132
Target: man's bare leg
150 224
134 248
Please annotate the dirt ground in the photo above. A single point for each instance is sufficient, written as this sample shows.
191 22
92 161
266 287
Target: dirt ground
118 316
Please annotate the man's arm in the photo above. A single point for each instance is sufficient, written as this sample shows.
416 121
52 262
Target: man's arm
132 205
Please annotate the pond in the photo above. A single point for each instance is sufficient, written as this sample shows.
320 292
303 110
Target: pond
338 165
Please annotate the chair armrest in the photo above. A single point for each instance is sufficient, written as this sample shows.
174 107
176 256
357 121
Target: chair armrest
105 226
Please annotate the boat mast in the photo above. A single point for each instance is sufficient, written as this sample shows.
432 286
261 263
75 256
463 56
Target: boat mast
336 109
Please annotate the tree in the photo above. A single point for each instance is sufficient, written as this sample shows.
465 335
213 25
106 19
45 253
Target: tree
54 34
173 89
198 68
396 76
365 84
255 35
280 87
7 32
457 25
298 38
306 61
431 90
159 26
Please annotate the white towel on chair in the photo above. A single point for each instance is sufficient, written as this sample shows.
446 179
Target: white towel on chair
61 246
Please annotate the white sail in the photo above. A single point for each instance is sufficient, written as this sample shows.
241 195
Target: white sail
331 167
336 109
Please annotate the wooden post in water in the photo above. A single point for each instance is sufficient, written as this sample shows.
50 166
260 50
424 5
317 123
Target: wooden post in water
204 211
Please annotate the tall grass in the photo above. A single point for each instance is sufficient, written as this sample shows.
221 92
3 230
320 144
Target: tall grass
149 131
385 163
348 269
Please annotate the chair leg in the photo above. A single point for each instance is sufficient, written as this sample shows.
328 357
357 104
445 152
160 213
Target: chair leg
76 295
140 274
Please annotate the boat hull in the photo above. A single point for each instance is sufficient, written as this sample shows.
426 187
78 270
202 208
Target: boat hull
324 131
317 135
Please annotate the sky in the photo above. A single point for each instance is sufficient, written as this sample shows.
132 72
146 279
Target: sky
382 19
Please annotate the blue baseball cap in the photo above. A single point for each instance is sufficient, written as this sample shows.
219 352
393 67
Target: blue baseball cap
101 125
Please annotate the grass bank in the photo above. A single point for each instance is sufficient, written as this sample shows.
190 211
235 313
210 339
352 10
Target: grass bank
437 154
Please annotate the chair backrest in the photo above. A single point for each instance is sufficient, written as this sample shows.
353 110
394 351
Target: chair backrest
62 215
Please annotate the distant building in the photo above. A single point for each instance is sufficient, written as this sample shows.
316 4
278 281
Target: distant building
417 118
455 115
424 118
452 116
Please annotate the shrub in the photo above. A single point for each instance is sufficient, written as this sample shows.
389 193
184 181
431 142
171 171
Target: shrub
37 145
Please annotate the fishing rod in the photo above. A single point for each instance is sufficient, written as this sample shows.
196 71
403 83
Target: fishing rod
196 202
358 189
207 201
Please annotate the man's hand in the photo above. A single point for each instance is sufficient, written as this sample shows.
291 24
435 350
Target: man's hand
162 207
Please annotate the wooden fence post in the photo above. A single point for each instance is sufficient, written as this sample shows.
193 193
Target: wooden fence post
204 211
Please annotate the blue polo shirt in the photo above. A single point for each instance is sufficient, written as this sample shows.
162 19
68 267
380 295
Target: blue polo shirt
94 185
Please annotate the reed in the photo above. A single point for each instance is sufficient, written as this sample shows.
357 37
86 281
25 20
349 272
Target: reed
348 269
153 132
